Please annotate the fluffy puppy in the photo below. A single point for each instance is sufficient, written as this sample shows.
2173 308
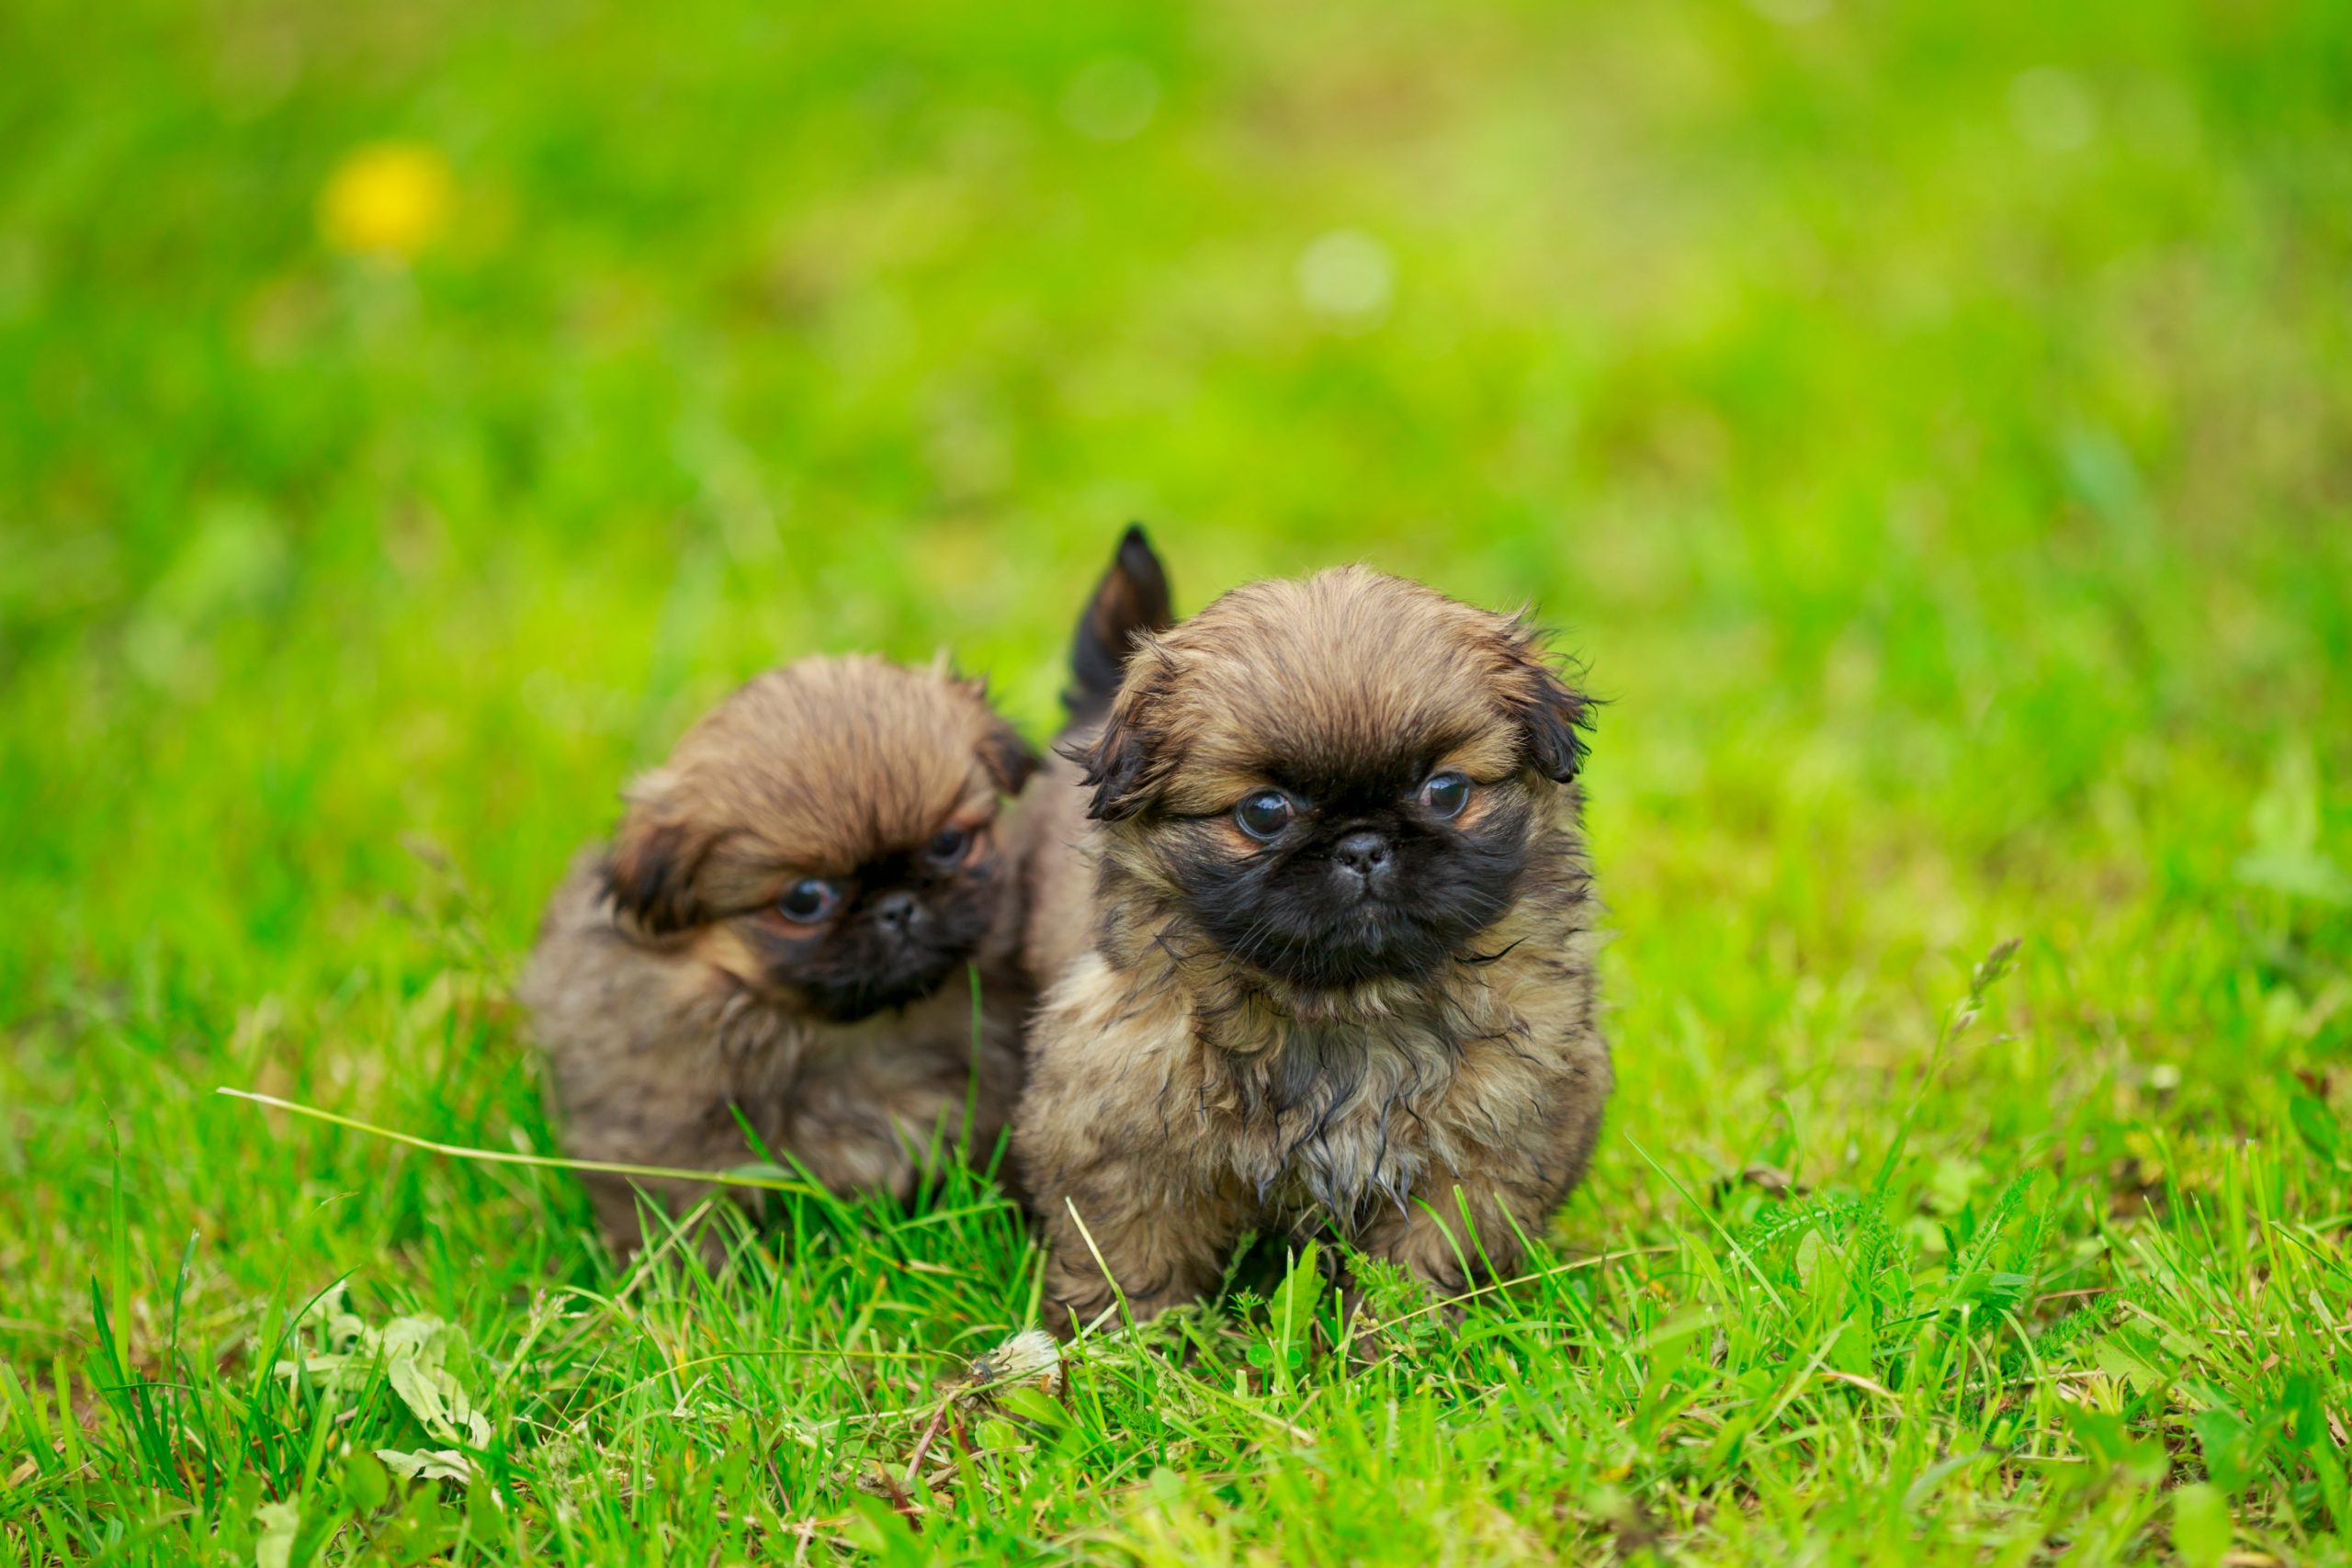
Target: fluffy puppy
779 932
1332 958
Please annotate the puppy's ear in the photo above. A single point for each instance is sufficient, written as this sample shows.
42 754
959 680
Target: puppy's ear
656 861
1115 766
1004 755
1121 762
1007 757
1553 713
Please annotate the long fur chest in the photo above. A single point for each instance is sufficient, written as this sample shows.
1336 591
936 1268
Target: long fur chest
1350 1121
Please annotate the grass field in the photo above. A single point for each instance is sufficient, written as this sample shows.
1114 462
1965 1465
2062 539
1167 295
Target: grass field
1932 426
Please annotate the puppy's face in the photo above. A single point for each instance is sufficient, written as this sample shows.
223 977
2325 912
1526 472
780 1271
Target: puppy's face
827 834
1340 779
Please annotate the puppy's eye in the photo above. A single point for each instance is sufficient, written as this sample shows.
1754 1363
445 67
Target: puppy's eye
805 903
947 846
1265 814
1445 795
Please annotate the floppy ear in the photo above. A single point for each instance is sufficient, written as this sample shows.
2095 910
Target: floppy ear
655 863
1007 757
1121 762
1115 765
1002 754
1552 711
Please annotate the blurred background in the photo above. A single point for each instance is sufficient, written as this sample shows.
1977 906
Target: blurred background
1928 422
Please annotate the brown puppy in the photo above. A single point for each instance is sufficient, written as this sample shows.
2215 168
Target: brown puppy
780 930
1333 959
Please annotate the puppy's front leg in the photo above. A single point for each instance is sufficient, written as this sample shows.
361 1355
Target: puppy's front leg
1116 1159
1432 1244
1162 1249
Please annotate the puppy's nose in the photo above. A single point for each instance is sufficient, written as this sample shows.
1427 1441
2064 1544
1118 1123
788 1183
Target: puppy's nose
898 912
1363 852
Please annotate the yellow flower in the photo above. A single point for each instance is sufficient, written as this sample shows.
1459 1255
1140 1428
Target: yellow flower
390 199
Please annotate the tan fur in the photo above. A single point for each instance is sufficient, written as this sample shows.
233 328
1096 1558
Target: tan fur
1058 872
658 1030
1179 1098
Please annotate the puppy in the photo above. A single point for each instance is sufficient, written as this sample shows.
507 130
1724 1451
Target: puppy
1325 955
780 932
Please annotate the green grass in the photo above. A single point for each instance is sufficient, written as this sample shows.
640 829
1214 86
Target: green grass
1929 423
